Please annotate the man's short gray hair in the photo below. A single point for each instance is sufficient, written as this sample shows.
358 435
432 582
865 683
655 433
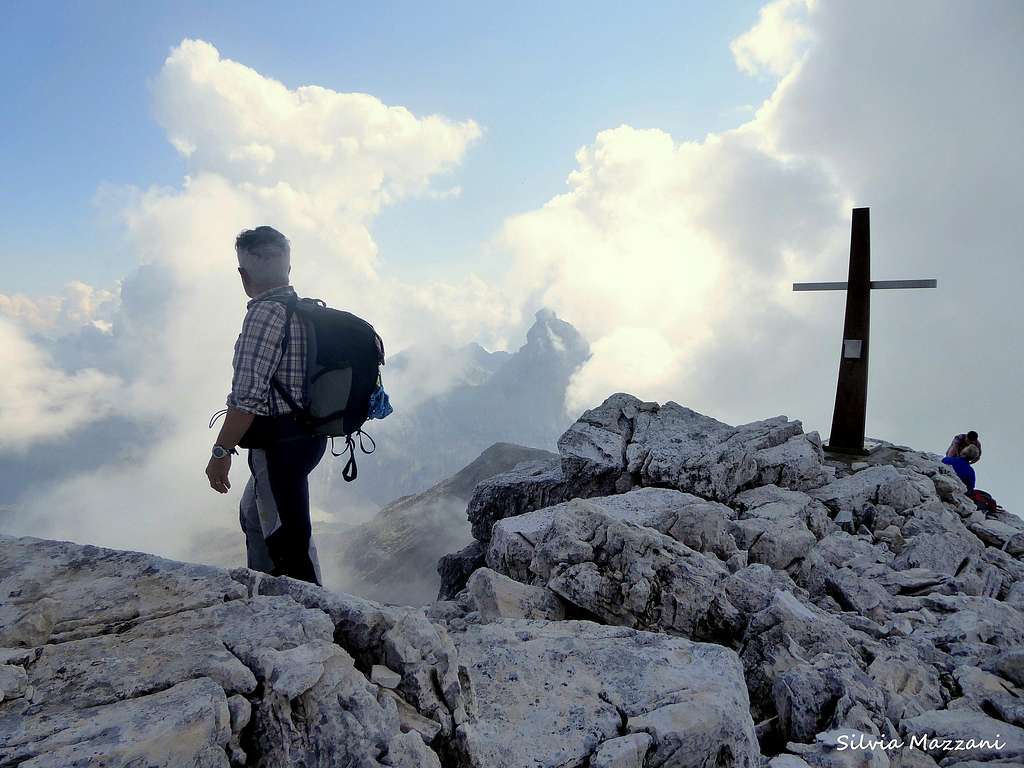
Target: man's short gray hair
265 254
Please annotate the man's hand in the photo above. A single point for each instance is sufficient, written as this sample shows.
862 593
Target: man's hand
217 472
236 423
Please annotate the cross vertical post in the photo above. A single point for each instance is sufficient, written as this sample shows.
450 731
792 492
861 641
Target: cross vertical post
850 414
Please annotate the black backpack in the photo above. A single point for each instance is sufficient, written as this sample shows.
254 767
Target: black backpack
343 359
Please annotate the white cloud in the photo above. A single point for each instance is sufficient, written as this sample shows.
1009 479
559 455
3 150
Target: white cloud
41 402
638 360
775 44
348 153
660 247
77 306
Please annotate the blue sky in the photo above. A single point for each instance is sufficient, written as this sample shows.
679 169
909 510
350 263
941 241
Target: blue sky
542 80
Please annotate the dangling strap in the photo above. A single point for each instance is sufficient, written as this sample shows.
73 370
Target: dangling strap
217 415
362 447
350 470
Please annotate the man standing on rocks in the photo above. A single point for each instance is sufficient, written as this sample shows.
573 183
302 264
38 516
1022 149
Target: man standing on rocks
274 511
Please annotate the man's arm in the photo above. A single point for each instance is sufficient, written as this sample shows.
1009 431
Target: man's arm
236 423
257 353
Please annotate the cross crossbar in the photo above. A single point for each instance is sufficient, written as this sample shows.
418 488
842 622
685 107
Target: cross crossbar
904 283
876 284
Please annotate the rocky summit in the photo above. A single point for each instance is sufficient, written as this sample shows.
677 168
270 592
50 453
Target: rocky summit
668 590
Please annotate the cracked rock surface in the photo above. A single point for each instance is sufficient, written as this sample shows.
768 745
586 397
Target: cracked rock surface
864 597
550 693
128 659
669 591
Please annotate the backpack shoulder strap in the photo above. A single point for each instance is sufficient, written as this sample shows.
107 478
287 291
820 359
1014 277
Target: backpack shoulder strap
289 310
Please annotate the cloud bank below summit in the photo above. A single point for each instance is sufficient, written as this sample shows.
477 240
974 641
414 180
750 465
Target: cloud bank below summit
673 257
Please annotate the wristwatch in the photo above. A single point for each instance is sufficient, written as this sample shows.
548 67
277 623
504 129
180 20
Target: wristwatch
219 451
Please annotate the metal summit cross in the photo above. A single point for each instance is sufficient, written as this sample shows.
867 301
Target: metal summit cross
850 412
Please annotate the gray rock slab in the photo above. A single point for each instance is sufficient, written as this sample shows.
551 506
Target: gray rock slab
51 591
694 522
876 485
384 677
496 596
186 724
624 752
530 486
944 728
631 575
571 685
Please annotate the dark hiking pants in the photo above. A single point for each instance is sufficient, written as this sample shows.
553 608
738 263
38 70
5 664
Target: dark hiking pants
274 511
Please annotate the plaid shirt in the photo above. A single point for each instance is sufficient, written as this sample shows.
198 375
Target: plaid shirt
258 358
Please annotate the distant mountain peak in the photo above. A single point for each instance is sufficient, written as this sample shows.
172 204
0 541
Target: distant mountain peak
550 335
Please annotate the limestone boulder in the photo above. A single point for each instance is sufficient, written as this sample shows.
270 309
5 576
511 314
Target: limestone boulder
984 692
576 687
881 484
956 736
630 575
698 524
786 634
1006 534
597 447
911 684
682 449
827 693
974 628
402 639
843 748
496 596
531 485
141 656
779 543
772 502
186 724
53 591
1008 664
624 752
752 588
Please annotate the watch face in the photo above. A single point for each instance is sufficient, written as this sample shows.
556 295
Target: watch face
218 452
